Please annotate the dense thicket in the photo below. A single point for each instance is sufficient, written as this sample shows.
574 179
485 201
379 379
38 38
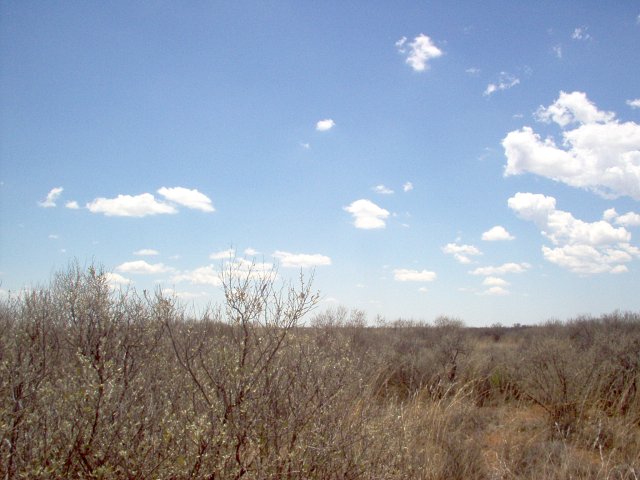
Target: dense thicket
102 384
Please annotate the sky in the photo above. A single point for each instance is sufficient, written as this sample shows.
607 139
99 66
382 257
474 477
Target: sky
479 160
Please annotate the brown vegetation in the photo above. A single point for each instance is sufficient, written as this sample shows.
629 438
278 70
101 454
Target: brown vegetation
103 384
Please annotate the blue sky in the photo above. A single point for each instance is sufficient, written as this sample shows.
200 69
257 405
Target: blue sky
478 160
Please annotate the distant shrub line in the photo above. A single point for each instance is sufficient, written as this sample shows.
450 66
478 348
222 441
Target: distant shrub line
102 384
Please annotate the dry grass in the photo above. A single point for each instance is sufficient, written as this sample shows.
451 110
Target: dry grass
97 384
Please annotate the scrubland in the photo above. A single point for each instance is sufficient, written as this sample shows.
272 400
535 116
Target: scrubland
96 383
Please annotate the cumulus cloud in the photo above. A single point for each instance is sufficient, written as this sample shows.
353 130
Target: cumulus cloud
324 125
505 82
407 187
251 252
116 280
404 275
206 275
130 206
367 215
73 205
573 107
497 234
223 255
461 252
495 282
629 219
503 269
140 267
382 190
420 51
635 103
598 153
581 247
301 260
190 198
52 196
562 227
146 252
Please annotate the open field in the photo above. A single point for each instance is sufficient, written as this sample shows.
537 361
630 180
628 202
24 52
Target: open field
97 384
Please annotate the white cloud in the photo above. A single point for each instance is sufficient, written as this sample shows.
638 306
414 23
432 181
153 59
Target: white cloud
407 187
561 227
421 51
381 189
505 82
301 260
404 275
573 107
73 205
501 269
496 234
495 282
473 71
140 267
190 198
461 252
206 275
223 255
251 252
635 103
599 154
146 252
116 280
580 33
52 196
324 125
367 214
496 291
305 145
581 247
557 49
54 236
629 219
130 206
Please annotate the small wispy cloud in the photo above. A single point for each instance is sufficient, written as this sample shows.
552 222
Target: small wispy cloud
52 196
228 254
324 125
505 82
635 103
382 190
473 71
420 51
580 33
146 252
407 187
557 49
73 205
